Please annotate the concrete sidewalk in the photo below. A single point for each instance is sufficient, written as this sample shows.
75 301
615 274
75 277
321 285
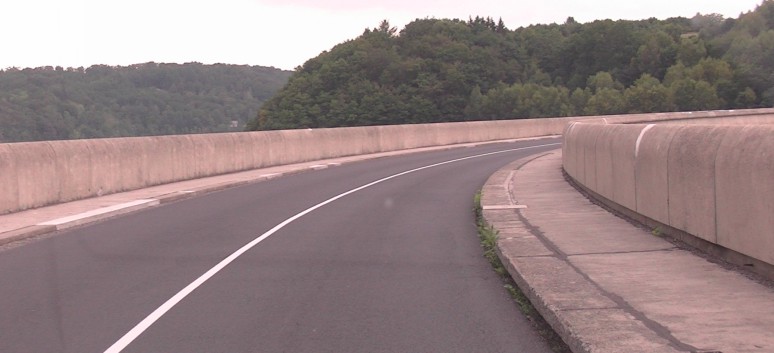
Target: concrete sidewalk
608 286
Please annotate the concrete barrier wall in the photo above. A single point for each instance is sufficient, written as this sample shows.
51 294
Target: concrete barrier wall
36 174
713 181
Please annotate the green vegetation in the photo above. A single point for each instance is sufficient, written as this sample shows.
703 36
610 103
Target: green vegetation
438 70
488 237
50 103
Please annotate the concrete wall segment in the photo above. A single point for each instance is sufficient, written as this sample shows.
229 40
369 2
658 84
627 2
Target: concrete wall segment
589 134
247 147
163 161
133 162
691 165
604 170
241 156
9 180
190 165
623 144
569 150
73 165
652 184
706 173
36 174
744 185
105 167
579 141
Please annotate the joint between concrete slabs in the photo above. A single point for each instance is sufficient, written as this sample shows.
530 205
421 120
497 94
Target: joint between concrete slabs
587 309
623 252
503 207
654 326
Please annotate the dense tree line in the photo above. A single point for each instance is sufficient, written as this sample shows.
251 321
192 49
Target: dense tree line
51 103
452 70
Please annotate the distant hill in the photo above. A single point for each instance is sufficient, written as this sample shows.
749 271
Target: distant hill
49 103
438 70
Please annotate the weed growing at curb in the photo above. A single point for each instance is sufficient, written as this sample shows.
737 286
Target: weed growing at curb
488 236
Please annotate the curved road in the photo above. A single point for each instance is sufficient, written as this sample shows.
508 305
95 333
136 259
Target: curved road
391 267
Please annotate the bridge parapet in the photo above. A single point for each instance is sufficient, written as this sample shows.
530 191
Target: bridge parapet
711 178
35 174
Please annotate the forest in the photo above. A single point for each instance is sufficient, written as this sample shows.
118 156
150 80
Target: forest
55 103
437 70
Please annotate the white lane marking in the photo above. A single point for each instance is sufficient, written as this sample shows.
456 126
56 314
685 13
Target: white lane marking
171 302
318 166
61 223
639 139
270 175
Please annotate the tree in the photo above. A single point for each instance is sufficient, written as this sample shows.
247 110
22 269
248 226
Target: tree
475 103
602 80
579 99
691 50
675 73
452 70
745 99
711 70
606 101
647 95
692 95
51 103
656 54
384 27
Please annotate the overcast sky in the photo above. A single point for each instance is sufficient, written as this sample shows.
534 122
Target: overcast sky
279 33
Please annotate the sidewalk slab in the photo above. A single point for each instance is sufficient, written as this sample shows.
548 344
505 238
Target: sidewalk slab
606 285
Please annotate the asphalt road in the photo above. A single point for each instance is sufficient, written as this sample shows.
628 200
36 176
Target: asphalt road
393 267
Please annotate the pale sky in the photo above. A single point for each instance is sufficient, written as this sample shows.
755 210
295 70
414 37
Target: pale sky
279 33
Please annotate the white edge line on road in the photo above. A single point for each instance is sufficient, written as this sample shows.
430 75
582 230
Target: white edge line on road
171 302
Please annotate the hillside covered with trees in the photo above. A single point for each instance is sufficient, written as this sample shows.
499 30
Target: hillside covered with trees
53 103
452 70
